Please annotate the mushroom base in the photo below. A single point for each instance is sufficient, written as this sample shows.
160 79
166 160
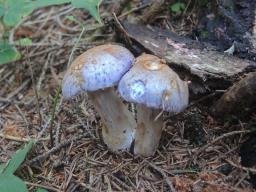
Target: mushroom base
148 132
118 123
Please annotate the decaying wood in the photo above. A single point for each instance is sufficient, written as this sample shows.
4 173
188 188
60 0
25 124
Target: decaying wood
254 31
239 99
237 16
181 52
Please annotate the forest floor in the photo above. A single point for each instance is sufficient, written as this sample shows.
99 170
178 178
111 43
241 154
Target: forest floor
197 152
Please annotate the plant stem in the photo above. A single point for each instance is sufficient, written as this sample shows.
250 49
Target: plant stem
75 46
53 113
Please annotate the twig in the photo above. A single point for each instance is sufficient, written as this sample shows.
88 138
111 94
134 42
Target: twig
245 175
58 94
124 185
57 133
53 114
42 52
56 148
121 29
72 168
61 24
10 137
87 187
5 73
35 90
22 115
43 129
75 46
181 171
108 183
218 139
15 92
22 86
172 189
61 12
42 186
248 169
12 31
11 101
14 138
133 10
42 76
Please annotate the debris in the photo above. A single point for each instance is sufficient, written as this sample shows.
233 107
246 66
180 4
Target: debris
239 99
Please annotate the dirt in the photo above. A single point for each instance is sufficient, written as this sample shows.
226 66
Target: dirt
194 127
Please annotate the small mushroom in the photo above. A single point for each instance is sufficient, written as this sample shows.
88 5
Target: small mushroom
96 72
155 88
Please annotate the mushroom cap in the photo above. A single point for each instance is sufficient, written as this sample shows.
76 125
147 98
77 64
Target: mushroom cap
97 68
152 83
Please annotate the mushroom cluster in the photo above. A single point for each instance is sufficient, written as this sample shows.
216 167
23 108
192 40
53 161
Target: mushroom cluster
146 81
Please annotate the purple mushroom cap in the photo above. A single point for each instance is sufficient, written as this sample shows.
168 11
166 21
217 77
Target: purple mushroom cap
152 83
97 68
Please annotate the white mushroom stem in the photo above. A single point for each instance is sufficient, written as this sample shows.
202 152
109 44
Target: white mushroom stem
148 131
118 123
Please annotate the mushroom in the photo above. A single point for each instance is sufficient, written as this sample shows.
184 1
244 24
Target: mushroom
96 72
155 88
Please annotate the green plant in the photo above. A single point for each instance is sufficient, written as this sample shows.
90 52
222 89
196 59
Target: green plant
8 52
8 181
12 12
178 7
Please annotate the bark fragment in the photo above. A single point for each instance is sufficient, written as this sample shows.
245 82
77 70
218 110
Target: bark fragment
183 52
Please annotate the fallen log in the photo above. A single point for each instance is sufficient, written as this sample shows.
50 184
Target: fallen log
204 66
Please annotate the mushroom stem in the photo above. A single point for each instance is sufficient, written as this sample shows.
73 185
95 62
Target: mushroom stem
148 132
118 123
